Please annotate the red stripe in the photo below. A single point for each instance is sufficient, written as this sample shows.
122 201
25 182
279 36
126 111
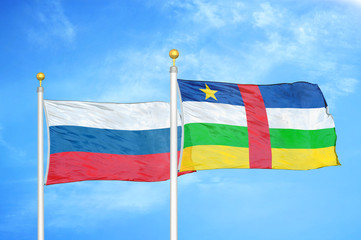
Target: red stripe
81 166
260 154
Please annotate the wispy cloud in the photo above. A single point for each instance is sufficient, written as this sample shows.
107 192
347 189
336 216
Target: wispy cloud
352 2
267 16
306 41
214 14
314 43
338 88
348 85
133 76
19 219
52 23
87 203
240 196
13 151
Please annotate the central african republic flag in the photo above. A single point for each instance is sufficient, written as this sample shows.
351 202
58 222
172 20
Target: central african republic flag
280 126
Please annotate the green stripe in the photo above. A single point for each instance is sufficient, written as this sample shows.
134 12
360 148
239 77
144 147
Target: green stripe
228 135
215 134
302 139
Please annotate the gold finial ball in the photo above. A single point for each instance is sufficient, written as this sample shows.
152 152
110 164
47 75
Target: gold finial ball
40 76
173 53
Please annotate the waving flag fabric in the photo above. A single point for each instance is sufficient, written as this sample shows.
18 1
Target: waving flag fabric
108 141
282 126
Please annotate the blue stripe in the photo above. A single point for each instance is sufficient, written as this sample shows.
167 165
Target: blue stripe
292 95
286 95
84 139
228 93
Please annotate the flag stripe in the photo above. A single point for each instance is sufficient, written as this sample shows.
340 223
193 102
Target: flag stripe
196 134
300 118
214 157
287 95
310 139
296 118
135 116
304 159
215 134
205 112
217 157
292 95
260 155
227 93
85 139
81 166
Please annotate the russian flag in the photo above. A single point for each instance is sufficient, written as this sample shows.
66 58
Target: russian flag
108 141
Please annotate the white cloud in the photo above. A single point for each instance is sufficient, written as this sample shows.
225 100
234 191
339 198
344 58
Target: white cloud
132 76
353 2
338 87
215 14
188 180
268 16
284 37
13 151
218 15
304 34
348 85
87 203
52 24
223 197
307 41
18 213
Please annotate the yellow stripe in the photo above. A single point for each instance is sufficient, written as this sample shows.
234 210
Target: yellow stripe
205 157
303 159
214 157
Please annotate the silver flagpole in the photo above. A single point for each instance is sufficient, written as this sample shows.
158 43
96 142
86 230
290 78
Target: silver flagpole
173 148
40 76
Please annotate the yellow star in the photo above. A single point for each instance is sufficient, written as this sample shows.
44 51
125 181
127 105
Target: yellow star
209 93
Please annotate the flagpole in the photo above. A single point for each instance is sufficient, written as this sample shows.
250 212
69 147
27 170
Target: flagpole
40 76
173 148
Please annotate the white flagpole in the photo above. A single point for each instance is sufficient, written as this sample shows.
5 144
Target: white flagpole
40 76
173 148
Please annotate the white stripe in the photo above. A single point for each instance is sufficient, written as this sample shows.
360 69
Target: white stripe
287 118
299 118
134 116
205 112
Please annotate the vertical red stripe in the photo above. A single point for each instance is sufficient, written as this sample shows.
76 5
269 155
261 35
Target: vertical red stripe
260 154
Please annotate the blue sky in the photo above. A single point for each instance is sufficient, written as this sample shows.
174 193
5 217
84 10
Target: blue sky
118 51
